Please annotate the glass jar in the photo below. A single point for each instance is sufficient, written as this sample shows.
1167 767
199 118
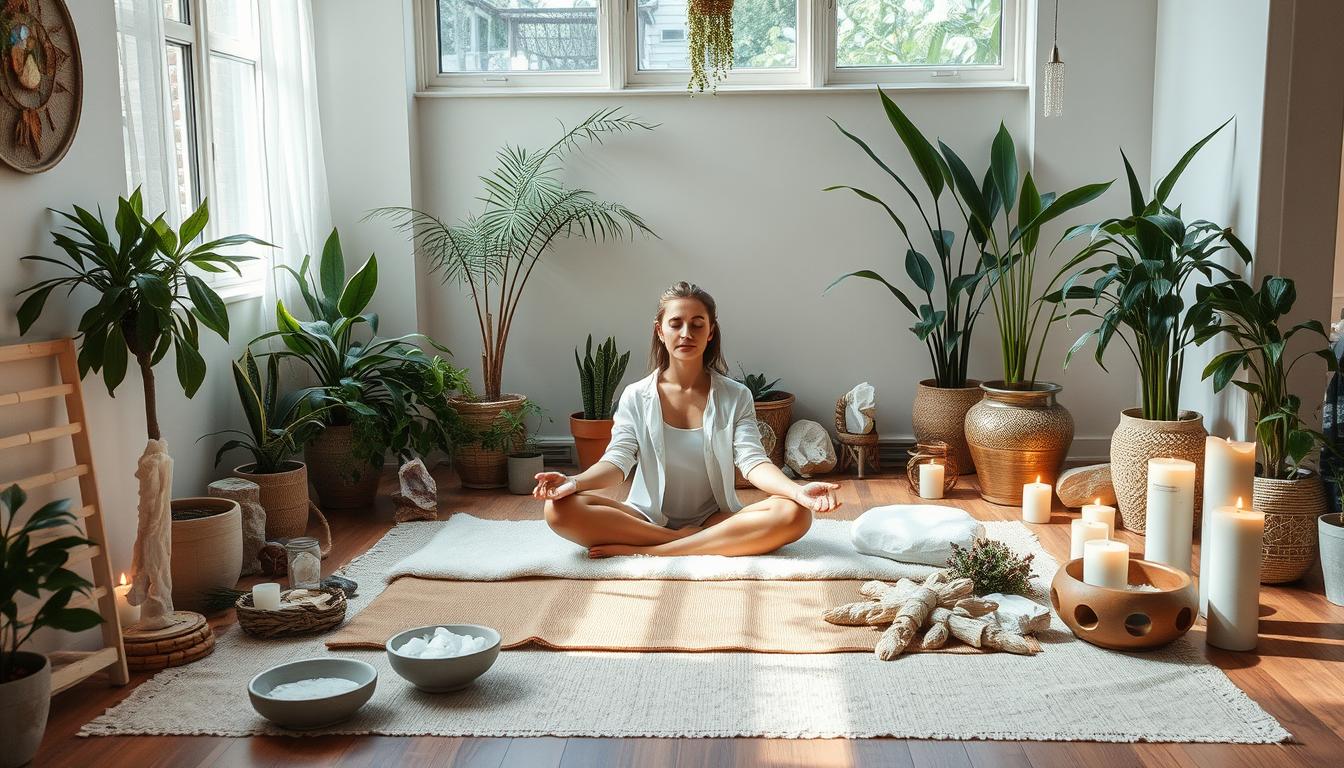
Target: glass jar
305 563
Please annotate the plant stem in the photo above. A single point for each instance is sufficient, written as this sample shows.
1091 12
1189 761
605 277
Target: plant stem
151 410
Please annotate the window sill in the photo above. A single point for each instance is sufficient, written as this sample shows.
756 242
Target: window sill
236 292
470 92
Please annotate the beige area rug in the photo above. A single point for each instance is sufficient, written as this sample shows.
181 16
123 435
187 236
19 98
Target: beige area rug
1071 691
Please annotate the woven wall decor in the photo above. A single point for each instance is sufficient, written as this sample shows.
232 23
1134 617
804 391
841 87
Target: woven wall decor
41 83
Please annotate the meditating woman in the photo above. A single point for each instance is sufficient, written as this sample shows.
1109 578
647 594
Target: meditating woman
684 426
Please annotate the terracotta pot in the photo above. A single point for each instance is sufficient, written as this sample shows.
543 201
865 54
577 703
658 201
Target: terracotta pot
1291 509
591 437
207 551
1135 441
24 704
1330 529
523 469
1122 619
284 496
939 413
1016 436
778 413
478 466
341 480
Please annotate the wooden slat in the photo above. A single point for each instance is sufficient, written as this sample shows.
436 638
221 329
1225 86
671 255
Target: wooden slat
79 601
39 435
15 352
32 395
80 667
49 478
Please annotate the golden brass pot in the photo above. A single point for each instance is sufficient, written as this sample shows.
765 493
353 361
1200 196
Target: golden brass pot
939 413
1016 436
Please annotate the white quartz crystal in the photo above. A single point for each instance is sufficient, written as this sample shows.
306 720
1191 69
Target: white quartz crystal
442 644
1020 614
313 688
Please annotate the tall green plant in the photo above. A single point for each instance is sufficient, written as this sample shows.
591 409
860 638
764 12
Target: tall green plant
527 209
1252 319
599 376
278 425
1150 258
761 389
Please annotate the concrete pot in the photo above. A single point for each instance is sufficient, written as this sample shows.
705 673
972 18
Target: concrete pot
1330 529
24 704
207 551
1016 436
523 469
1135 441
939 413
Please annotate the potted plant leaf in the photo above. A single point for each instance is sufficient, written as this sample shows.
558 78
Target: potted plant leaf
599 377
1330 526
33 569
526 460
527 210
1291 495
774 407
1134 294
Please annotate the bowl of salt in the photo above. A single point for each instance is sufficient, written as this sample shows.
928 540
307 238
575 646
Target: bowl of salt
437 659
312 693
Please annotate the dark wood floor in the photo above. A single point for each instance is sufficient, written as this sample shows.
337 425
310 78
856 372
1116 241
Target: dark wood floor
1297 675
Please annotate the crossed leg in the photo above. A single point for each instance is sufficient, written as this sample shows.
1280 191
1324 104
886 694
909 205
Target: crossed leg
589 519
757 529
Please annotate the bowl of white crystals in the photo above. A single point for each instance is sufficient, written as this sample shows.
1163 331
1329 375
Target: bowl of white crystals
312 693
443 658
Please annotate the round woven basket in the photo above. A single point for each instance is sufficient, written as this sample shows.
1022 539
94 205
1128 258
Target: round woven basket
477 466
778 414
933 452
295 620
1136 440
332 464
284 496
939 414
1291 508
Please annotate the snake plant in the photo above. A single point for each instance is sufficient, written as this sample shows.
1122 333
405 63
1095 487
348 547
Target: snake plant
599 376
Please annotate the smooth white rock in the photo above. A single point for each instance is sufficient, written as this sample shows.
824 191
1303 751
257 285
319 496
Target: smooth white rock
1020 614
808 449
915 533
860 409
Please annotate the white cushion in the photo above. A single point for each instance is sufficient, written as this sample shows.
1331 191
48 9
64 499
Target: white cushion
915 533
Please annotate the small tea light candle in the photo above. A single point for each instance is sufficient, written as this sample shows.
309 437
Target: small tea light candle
931 480
266 597
1236 543
127 614
1169 532
1036 501
1083 531
1106 564
1100 513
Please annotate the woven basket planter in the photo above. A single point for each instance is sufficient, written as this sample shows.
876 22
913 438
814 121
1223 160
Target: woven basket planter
332 468
296 620
939 414
778 413
768 442
207 552
1016 436
284 496
476 466
1135 441
1291 509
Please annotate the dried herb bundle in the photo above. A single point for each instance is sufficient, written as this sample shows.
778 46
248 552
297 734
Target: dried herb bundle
992 566
709 25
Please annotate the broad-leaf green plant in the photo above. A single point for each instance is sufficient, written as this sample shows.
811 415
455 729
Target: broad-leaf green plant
599 376
761 390
278 425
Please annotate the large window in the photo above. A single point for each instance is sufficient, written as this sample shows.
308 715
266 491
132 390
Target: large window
643 43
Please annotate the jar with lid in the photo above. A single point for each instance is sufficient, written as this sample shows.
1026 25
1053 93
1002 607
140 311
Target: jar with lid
305 563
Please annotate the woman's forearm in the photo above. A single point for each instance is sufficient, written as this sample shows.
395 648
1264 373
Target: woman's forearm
767 477
603 474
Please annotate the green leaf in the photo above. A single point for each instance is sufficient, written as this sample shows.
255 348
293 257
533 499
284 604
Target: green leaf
209 307
1299 444
921 151
194 225
919 269
31 308
967 187
114 358
155 291
1028 209
1136 203
190 367
1003 166
1065 203
871 275
359 291
331 268
1165 186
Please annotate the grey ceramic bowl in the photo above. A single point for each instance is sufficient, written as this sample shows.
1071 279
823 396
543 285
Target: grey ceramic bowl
441 675
303 714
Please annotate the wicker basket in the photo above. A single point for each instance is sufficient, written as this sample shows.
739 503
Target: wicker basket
476 466
777 413
284 496
939 414
298 620
1291 508
332 464
855 449
935 451
1136 440
768 442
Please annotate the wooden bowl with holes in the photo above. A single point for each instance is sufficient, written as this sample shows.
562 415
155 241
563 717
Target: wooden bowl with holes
1126 619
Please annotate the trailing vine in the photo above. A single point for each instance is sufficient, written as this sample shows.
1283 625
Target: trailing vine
709 25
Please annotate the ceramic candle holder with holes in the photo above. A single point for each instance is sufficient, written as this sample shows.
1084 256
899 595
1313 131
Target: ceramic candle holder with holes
1125 619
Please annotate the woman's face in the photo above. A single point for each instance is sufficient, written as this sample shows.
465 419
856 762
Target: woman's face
685 329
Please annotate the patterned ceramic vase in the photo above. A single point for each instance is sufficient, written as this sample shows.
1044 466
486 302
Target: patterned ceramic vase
1016 436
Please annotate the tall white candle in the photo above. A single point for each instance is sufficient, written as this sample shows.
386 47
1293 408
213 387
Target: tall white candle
1083 531
1229 474
1106 564
1237 539
128 615
266 597
1036 501
1169 534
1101 513
931 480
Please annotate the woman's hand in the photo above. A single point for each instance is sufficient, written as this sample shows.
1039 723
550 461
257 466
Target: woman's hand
818 497
553 486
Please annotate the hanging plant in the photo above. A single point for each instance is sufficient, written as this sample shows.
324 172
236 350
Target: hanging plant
709 26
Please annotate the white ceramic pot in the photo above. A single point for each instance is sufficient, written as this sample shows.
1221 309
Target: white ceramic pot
1330 528
523 469
24 704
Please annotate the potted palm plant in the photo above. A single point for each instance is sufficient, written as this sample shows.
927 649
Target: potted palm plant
25 677
1135 295
527 209
599 376
1291 495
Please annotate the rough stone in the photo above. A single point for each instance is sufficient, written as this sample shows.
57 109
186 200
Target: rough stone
418 496
273 559
808 449
860 409
1019 614
248 496
1084 485
348 586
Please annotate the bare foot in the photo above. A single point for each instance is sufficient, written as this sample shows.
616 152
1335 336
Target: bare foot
613 550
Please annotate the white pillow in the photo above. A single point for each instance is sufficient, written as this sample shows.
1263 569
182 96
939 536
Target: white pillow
915 533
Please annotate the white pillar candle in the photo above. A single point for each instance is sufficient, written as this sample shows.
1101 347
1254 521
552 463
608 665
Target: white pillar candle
1237 537
1106 563
1169 530
1101 513
931 481
266 597
1036 501
1229 474
128 615
1083 531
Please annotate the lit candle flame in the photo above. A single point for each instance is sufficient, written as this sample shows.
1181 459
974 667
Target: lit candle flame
1098 501
1238 502
123 579
1038 479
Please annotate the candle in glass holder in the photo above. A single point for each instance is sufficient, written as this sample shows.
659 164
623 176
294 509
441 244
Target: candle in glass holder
1036 500
1083 531
1106 564
266 597
1170 526
1097 512
1229 475
1236 541
931 480
127 614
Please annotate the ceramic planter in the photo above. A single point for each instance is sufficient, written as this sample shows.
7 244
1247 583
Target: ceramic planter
778 414
939 413
207 551
1016 436
1135 441
284 496
523 469
24 704
331 467
476 465
591 437
1330 530
1291 509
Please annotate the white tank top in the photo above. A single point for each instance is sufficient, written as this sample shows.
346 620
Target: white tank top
688 496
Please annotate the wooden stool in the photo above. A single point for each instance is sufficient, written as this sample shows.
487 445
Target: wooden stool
855 450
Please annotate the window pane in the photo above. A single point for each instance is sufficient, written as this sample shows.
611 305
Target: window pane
517 35
183 125
238 203
765 34
233 18
175 10
895 33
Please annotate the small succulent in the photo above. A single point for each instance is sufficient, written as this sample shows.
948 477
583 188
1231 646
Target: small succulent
760 391
993 567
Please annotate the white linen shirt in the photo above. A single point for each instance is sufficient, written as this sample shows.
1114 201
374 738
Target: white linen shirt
731 438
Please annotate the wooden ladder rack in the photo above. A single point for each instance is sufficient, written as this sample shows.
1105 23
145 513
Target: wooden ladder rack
70 667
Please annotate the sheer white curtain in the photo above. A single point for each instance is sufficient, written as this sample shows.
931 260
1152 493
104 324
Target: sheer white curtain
150 161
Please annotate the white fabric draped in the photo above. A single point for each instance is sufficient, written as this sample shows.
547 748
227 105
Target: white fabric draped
150 161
